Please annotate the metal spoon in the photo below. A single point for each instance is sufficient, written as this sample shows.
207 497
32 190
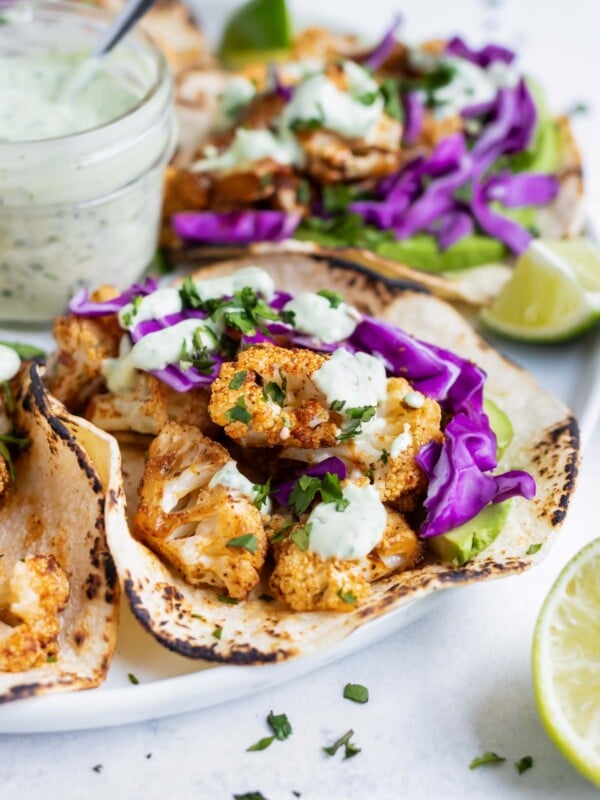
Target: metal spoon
122 24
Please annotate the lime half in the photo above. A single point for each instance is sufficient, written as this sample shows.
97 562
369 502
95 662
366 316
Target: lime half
259 30
553 294
566 662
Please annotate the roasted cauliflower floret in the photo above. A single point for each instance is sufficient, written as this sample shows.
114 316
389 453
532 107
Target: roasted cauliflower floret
399 549
30 604
308 582
74 371
411 421
208 531
147 406
266 398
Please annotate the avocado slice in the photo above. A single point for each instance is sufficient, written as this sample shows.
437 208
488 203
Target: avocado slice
422 252
463 543
259 30
500 424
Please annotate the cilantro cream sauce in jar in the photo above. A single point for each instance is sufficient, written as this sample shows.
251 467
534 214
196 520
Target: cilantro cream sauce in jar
80 180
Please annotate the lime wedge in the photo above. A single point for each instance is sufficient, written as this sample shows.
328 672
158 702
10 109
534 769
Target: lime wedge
259 30
553 294
566 662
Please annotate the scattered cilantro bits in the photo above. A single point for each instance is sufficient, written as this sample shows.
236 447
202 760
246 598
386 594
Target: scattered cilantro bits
307 487
218 632
487 758
355 417
28 352
356 692
335 298
274 392
280 725
133 679
534 548
239 412
261 493
262 744
224 598
246 542
97 768
350 749
347 597
238 380
301 536
523 764
249 796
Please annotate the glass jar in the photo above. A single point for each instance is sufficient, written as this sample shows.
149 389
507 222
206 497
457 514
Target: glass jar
81 209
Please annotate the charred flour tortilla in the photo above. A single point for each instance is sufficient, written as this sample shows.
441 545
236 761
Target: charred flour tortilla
193 622
66 495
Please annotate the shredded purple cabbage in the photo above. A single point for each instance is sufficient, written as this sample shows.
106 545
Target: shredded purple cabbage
333 465
82 306
452 227
414 114
285 92
521 189
484 57
506 230
377 57
236 227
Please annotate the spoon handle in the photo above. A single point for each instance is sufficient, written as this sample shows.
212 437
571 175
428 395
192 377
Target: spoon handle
130 14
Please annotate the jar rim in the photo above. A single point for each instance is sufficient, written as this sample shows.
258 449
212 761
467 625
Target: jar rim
77 10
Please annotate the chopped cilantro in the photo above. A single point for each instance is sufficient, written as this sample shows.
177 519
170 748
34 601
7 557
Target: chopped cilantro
133 679
487 758
27 352
238 380
331 491
384 456
200 617
262 744
301 536
534 548
10 400
336 198
304 492
280 725
148 755
289 317
247 311
249 796
51 659
356 692
198 356
224 598
97 768
239 412
188 292
335 298
344 229
303 192
523 764
280 534
272 391
391 93
350 749
347 597
128 316
265 180
228 345
261 493
218 632
338 405
310 124
356 416
161 263
578 108
246 542
19 442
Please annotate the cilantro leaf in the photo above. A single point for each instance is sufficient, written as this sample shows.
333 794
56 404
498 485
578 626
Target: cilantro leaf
272 391
350 749
280 534
347 597
97 768
238 380
356 416
337 405
280 725
224 598
301 536
487 758
391 93
356 692
198 356
384 456
331 491
249 796
188 292
261 493
239 412
262 744
133 679
304 492
335 298
246 542
534 548
523 764
218 632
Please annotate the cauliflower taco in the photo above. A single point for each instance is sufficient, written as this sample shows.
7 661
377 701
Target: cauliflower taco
437 163
306 447
58 583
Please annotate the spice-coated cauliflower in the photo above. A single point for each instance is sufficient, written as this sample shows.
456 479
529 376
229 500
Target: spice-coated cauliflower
266 398
30 604
193 525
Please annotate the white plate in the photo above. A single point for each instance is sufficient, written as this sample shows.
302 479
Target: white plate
171 684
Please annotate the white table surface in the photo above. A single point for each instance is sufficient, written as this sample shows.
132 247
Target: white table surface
454 684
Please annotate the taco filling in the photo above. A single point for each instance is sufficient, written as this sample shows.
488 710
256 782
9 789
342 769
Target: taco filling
292 442
440 157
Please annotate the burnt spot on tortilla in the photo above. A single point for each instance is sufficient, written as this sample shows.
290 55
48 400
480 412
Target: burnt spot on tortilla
79 637
558 451
92 585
